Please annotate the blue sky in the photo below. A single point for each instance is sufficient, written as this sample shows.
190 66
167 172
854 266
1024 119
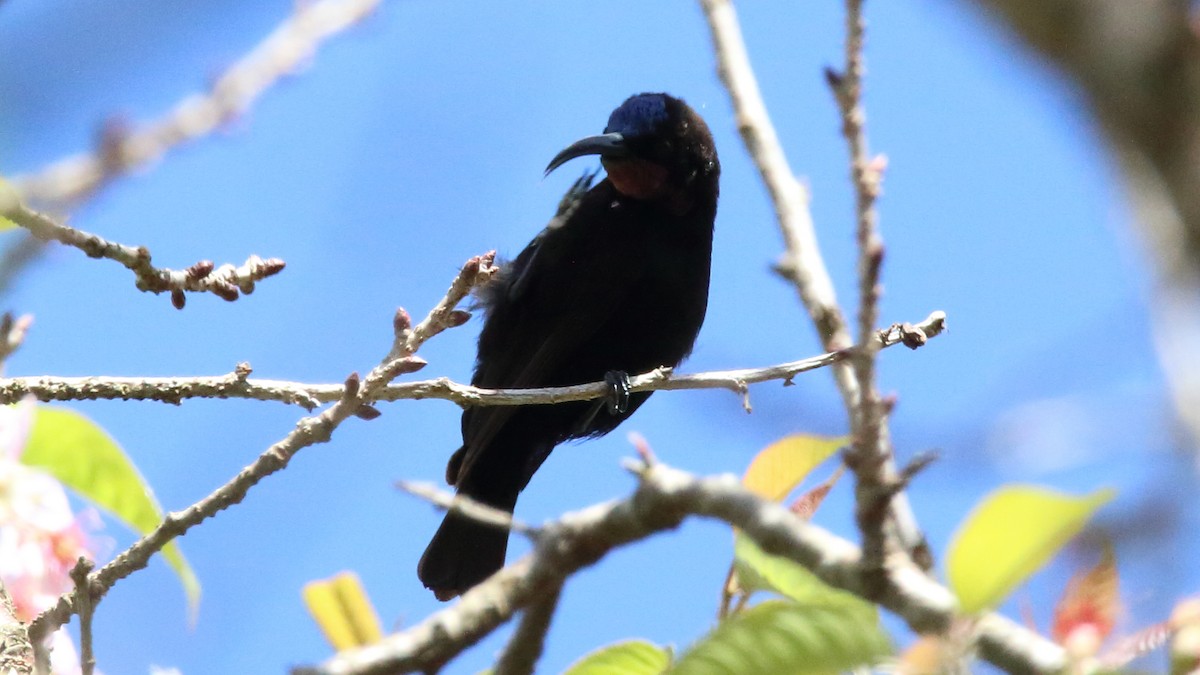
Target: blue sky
418 139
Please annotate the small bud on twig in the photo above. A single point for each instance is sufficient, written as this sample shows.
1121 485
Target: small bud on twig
875 253
833 78
352 382
472 266
200 270
888 403
225 290
912 337
367 412
110 142
642 446
408 364
402 322
271 267
917 464
242 370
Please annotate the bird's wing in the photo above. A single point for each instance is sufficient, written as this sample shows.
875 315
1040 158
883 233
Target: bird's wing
531 353
480 425
526 263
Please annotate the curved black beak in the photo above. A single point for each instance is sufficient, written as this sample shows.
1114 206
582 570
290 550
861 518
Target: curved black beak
605 145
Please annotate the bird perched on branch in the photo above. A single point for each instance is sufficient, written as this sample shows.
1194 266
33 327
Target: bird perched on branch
617 284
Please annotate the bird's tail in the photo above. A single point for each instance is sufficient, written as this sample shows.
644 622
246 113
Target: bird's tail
464 551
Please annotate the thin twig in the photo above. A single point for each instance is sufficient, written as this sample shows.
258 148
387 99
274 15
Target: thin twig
290 46
225 281
238 385
728 590
70 181
17 257
85 605
525 646
466 506
308 431
12 334
870 455
663 499
865 174
802 263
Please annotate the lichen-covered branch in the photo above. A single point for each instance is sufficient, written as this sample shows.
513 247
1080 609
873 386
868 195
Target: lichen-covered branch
357 395
226 281
803 263
239 384
663 499
524 648
870 455
16 650
84 602
120 150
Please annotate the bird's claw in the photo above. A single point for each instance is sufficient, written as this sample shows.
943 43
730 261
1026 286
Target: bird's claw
618 391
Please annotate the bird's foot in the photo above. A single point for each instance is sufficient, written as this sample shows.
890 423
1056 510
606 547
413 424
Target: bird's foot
618 392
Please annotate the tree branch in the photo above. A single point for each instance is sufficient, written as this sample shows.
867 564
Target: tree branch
870 455
466 506
311 430
16 650
525 646
803 263
663 499
238 384
85 604
291 45
70 181
12 334
225 281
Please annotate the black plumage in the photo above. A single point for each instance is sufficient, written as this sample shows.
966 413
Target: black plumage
617 283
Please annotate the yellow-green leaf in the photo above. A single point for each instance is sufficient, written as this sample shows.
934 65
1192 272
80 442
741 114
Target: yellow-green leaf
759 571
8 198
784 637
779 468
1009 536
631 657
343 611
83 457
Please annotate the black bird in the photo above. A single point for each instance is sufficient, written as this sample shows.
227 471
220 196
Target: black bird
617 284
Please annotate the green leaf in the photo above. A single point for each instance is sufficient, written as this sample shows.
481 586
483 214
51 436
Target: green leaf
6 224
83 457
779 636
759 571
632 657
778 468
1009 536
